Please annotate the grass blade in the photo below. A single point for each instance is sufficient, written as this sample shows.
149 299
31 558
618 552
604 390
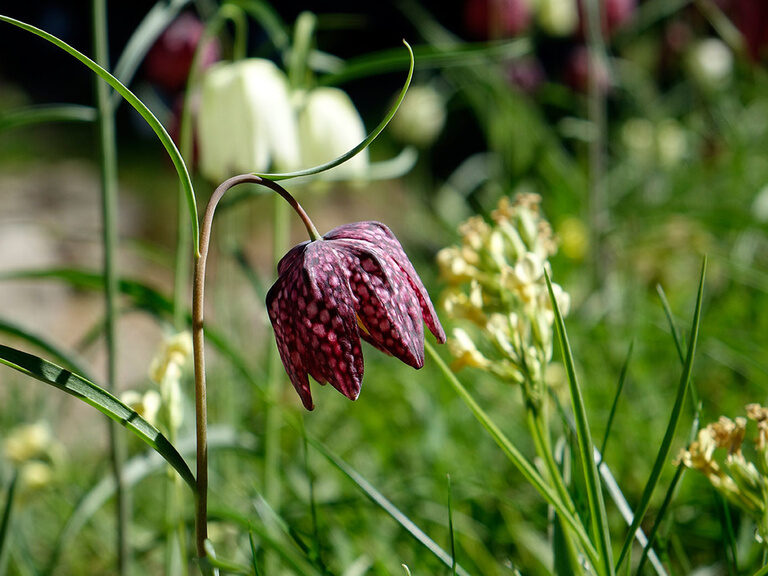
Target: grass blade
17 331
666 444
679 473
5 525
619 388
44 113
100 399
136 469
450 528
515 456
263 13
586 447
614 491
293 557
671 321
648 547
379 499
153 122
427 57
153 24
254 563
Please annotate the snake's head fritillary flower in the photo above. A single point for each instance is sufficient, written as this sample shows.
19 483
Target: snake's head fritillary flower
356 282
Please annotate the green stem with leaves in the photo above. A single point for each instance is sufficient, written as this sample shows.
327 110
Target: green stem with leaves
537 425
518 460
108 166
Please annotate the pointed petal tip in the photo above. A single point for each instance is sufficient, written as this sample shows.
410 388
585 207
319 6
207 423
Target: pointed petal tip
439 334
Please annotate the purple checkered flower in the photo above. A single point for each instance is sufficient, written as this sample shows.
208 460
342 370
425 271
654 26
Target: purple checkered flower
356 282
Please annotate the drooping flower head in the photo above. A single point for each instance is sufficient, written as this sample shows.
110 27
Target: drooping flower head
356 282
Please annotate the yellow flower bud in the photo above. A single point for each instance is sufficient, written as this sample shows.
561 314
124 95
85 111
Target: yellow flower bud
146 405
28 442
465 352
171 358
35 476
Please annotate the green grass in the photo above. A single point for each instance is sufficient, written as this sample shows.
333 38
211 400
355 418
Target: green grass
362 486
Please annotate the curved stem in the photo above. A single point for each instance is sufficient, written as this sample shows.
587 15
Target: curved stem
198 338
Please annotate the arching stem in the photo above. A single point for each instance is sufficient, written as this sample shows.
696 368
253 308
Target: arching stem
198 338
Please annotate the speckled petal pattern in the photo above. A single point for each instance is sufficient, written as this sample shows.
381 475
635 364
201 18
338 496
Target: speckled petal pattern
354 283
381 236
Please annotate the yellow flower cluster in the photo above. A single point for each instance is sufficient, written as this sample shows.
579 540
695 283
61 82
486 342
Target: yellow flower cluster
497 285
742 482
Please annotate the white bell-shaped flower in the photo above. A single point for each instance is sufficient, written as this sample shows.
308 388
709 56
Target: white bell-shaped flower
246 122
329 126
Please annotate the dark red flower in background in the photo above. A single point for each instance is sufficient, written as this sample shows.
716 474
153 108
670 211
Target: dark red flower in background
170 58
356 282
497 18
751 17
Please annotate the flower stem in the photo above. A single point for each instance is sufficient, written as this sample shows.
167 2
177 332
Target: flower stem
108 166
198 338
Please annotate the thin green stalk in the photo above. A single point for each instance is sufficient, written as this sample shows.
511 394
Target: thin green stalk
239 20
537 425
540 433
666 443
450 527
6 522
302 42
108 165
598 516
275 378
517 458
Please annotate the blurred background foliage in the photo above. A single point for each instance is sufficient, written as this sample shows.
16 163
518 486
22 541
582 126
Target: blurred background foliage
647 144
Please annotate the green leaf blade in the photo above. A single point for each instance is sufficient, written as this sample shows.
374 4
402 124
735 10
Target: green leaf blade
666 444
586 446
134 101
100 399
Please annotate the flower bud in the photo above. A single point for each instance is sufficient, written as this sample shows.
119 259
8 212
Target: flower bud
35 476
465 352
329 126
28 442
558 17
173 354
710 63
146 405
421 117
494 18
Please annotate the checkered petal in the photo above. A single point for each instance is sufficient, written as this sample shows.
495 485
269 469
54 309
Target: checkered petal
386 304
381 236
312 313
354 283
